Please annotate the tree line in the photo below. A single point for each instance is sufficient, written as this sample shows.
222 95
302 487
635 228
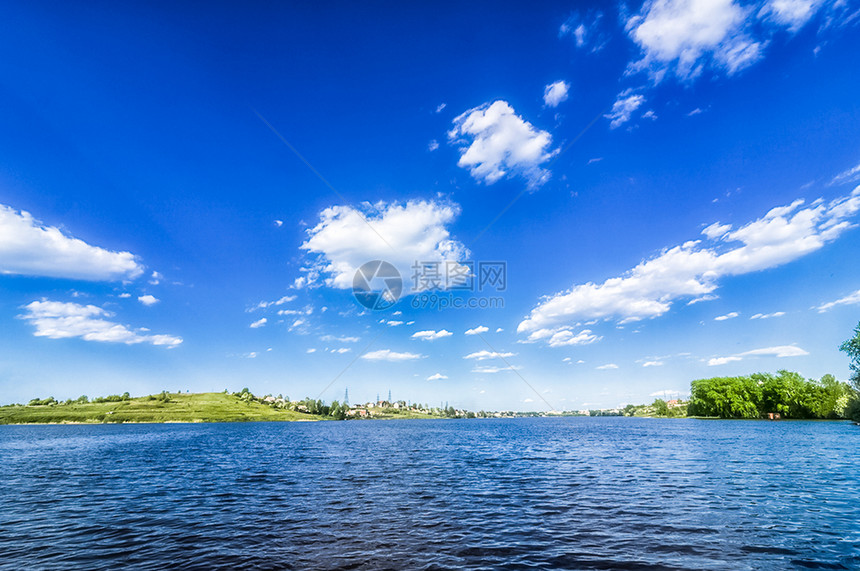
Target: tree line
786 393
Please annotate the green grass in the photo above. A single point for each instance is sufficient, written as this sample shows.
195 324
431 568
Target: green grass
198 407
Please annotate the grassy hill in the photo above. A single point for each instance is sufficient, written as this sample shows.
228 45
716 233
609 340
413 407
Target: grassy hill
179 407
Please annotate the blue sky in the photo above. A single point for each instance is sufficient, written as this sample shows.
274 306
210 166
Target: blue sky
187 193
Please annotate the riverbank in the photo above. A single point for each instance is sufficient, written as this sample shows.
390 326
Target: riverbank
175 407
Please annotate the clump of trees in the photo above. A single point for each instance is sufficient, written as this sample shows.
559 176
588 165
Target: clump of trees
755 396
113 398
851 347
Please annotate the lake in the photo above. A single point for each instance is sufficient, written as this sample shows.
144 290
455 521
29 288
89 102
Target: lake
530 493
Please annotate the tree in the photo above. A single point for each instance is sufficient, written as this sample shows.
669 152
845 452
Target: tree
660 407
852 348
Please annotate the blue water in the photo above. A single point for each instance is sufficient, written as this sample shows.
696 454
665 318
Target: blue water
571 493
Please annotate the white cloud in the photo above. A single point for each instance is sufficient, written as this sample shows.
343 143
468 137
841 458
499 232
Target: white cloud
692 269
440 107
563 336
499 330
686 36
792 14
607 366
781 351
555 93
437 377
393 323
731 315
281 301
124 295
847 176
483 355
431 335
851 299
495 143
311 350
155 278
343 339
477 330
389 355
307 310
708 297
770 315
493 370
716 230
59 320
148 299
345 238
584 30
279 223
29 248
341 350
665 393
623 108
259 323
432 145
652 364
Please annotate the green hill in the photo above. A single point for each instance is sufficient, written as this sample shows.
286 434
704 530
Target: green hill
173 407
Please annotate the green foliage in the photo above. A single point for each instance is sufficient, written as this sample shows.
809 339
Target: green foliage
660 407
754 396
113 398
852 348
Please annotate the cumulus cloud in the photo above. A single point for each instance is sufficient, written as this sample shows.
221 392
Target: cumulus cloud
607 366
29 248
484 355
555 93
59 320
731 315
781 351
495 143
389 355
652 364
437 377
148 299
851 299
401 234
623 108
259 323
431 335
694 268
477 330
683 37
